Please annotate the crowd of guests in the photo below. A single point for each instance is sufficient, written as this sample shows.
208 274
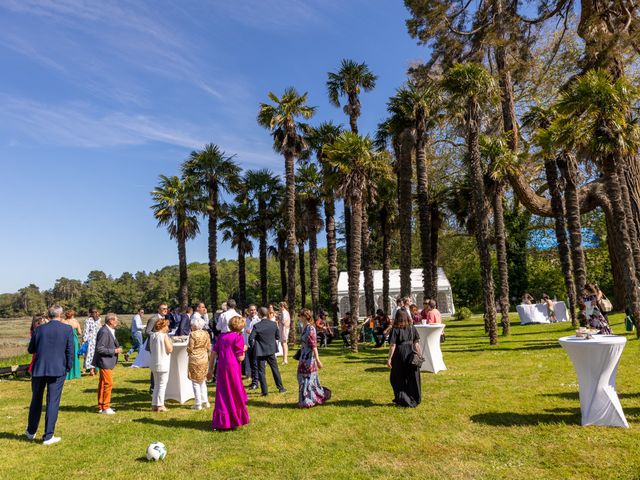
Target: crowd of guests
222 348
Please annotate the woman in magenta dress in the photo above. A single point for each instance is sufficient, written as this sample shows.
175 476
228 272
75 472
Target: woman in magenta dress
230 409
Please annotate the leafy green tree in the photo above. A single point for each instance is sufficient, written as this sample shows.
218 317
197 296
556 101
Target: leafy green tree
176 207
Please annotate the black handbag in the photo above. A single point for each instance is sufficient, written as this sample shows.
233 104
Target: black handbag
416 359
298 354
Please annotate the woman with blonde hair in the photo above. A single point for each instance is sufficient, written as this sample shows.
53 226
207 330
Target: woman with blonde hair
70 319
199 351
310 392
161 347
284 325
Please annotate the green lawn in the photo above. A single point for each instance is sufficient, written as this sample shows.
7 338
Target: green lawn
510 411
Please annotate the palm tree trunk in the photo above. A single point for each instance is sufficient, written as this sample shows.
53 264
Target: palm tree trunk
183 294
632 177
263 251
303 281
313 265
404 211
290 186
213 245
482 224
619 294
282 259
242 280
347 233
369 300
569 170
561 236
501 255
332 256
435 223
386 259
621 238
631 225
354 270
423 215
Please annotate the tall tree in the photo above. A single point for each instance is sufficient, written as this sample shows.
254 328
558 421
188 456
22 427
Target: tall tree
356 164
310 192
215 172
471 85
320 137
261 185
349 81
281 118
236 225
176 207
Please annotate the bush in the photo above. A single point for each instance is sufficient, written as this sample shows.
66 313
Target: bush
123 334
463 314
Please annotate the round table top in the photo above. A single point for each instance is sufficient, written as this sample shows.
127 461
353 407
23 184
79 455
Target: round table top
430 325
595 340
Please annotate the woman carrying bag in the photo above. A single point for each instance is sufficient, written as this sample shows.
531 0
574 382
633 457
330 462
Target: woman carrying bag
404 361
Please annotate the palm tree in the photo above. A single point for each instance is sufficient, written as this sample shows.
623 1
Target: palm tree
176 207
349 81
470 85
214 171
280 117
236 224
309 187
320 137
419 105
595 117
301 237
356 166
502 162
261 185
398 128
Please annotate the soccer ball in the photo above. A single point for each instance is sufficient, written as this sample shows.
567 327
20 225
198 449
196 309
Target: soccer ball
156 451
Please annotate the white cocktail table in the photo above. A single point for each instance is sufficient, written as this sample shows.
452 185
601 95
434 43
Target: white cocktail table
596 362
179 386
430 346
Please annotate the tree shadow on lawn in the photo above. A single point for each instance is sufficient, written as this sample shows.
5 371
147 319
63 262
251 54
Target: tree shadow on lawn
513 419
377 369
489 348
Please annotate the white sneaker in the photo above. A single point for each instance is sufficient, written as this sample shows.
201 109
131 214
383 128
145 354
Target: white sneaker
196 407
108 411
29 435
51 441
206 405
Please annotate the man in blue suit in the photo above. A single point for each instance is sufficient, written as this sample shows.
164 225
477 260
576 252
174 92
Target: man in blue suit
53 345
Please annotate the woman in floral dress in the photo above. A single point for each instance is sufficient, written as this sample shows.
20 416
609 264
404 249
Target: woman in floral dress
310 392
91 327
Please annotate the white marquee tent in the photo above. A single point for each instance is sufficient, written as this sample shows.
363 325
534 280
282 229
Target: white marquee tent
444 299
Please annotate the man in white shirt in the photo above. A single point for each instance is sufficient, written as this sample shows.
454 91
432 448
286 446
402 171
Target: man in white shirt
136 333
251 360
223 319
200 312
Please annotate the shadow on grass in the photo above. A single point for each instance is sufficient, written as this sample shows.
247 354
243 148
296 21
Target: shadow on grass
377 369
504 348
331 403
15 436
204 426
513 419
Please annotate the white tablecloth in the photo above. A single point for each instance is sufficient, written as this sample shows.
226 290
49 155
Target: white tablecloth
430 346
143 357
179 386
596 362
538 313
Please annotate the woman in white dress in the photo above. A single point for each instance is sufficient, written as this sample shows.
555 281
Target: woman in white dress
91 327
161 347
284 324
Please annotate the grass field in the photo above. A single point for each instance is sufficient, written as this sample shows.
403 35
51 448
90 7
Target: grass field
510 411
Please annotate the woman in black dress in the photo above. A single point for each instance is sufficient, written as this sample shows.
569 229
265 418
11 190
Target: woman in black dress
405 378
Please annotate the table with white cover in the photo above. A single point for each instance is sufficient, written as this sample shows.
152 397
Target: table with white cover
539 313
179 387
430 347
596 362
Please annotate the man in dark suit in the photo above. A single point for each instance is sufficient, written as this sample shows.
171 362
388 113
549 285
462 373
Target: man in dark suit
53 345
183 323
264 339
106 357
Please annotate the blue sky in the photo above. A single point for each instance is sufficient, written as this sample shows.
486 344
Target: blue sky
97 98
